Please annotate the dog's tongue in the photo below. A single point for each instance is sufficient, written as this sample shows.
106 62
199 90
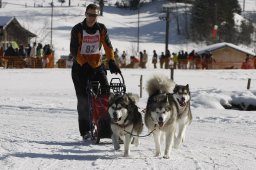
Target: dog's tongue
161 124
116 119
182 103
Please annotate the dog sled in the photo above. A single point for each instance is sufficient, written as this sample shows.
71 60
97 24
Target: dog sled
99 106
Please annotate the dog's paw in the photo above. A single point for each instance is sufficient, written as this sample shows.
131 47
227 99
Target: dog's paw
136 142
157 154
166 157
126 154
117 147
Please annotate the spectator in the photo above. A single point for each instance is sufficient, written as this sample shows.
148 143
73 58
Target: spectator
207 60
39 50
255 62
184 60
1 51
117 51
167 59
161 59
21 51
247 64
154 58
123 59
45 61
141 57
33 50
10 51
134 62
28 49
144 59
198 61
191 59
175 60
117 59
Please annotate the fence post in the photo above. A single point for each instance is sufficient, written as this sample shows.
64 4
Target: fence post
248 83
172 73
140 86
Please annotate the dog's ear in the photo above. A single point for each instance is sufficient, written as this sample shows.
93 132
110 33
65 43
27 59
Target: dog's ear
187 86
169 97
175 88
126 98
110 98
166 98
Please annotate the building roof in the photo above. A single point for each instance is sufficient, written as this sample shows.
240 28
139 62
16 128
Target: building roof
217 46
6 20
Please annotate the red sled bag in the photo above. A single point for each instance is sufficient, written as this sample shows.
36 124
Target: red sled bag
100 117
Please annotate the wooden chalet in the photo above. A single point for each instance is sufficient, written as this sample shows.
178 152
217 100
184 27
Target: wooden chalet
11 30
226 55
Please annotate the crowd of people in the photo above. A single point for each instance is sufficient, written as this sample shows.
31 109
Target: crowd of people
180 60
28 53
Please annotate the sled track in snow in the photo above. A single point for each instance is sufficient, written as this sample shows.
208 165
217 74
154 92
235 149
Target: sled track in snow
36 109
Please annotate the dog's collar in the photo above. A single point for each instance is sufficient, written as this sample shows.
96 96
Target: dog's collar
121 125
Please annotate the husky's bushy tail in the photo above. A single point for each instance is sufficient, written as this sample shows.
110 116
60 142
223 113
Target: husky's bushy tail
159 84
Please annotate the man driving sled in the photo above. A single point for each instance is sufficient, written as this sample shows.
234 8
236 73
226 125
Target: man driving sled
87 38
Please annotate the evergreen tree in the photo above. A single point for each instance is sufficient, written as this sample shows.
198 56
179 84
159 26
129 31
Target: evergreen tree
199 21
246 31
207 13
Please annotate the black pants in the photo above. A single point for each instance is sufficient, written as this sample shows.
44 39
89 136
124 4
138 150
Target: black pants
82 76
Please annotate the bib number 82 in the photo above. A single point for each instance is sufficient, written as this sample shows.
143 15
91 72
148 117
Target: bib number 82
90 49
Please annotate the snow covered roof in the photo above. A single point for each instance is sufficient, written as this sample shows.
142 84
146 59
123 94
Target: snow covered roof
214 47
6 20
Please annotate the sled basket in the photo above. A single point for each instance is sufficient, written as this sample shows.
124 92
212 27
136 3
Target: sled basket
117 86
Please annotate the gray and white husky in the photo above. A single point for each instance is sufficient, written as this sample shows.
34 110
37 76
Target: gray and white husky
126 120
181 98
160 117
168 112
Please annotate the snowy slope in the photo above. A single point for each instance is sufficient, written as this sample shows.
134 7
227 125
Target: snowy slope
121 23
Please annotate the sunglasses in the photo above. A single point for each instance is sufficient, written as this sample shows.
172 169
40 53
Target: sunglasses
91 15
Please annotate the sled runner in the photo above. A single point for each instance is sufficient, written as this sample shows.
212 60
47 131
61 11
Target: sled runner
99 106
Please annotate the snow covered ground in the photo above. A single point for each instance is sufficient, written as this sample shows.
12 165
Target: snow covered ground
38 118
39 128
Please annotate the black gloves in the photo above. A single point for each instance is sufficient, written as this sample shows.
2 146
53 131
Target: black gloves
113 67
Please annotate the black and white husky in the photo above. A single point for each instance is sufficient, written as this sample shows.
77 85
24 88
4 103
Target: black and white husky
126 120
167 112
